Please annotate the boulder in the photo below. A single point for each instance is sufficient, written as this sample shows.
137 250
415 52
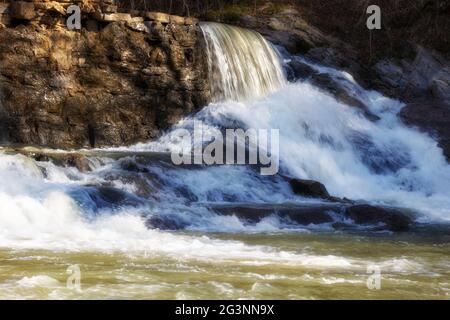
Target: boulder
309 188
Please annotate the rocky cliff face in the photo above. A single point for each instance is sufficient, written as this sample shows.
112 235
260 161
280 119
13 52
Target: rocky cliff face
121 79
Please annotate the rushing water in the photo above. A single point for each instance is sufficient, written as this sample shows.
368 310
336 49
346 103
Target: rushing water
112 220
243 64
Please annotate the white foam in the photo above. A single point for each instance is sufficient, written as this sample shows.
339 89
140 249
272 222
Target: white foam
42 281
317 141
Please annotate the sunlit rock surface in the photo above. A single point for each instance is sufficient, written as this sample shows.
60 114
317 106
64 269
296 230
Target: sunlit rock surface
119 80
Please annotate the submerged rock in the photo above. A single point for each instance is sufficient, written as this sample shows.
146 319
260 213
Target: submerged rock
164 223
300 70
394 220
301 214
132 166
340 216
341 94
104 197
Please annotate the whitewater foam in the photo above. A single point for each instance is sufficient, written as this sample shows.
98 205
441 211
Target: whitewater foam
322 139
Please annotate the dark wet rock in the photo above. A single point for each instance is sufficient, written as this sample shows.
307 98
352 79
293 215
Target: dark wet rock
341 58
144 185
132 166
96 199
341 94
183 192
314 189
424 75
390 74
79 161
300 70
423 81
342 226
301 214
164 223
309 188
432 117
110 197
440 85
338 215
394 220
40 157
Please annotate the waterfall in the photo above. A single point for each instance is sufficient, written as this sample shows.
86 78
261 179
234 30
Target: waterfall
243 65
383 162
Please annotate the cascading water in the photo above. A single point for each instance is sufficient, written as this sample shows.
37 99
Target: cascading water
243 64
320 138
132 190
